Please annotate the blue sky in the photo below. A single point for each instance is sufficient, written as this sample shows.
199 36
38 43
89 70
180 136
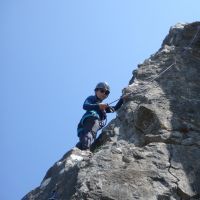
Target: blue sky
52 54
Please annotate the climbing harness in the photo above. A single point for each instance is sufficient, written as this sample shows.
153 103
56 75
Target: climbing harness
168 68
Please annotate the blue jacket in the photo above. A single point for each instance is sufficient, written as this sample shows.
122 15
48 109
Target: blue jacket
91 105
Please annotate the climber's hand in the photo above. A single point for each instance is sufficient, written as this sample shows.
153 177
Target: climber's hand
103 106
111 109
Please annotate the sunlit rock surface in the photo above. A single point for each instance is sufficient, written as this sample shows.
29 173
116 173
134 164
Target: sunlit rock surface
151 150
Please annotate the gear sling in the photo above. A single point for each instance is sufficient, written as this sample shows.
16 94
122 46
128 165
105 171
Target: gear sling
93 120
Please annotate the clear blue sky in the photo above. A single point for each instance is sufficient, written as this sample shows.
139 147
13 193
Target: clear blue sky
52 54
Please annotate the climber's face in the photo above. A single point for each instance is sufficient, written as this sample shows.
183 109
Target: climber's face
102 94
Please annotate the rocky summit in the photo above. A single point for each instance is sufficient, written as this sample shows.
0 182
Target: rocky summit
151 150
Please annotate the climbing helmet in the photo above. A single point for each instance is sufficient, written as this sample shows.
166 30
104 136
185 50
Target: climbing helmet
104 86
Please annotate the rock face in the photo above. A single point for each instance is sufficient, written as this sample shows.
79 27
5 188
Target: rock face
151 150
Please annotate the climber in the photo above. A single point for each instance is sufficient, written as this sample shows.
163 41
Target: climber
95 116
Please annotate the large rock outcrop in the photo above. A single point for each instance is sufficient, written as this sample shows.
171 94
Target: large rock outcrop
151 150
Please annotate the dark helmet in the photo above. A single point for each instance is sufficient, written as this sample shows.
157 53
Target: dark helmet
102 85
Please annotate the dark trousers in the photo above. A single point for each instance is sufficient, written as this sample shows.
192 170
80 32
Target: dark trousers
88 133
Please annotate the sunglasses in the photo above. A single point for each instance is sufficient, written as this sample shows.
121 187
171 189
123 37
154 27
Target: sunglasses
106 92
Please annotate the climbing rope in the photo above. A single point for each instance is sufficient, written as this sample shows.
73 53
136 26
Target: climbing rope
194 38
168 68
190 99
153 79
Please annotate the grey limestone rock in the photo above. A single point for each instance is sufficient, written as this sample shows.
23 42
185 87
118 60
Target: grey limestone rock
151 150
